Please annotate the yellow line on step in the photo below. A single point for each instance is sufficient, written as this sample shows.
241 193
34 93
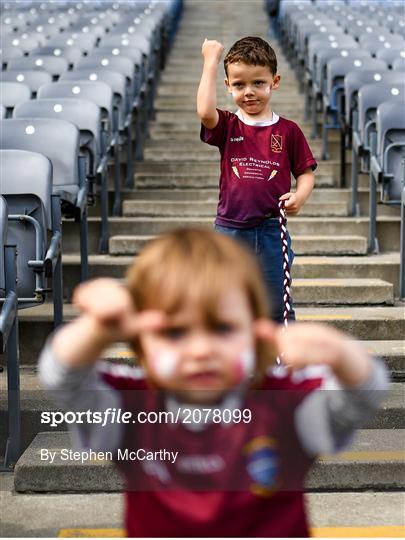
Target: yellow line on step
387 531
324 317
368 456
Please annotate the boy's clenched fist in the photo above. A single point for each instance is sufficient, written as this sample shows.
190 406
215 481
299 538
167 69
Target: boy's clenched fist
212 50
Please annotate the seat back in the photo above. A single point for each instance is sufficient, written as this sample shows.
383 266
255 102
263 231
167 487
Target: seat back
326 55
97 92
33 79
71 53
115 80
390 121
381 40
84 114
51 64
13 93
8 53
370 96
130 37
26 184
354 80
84 42
94 60
399 65
391 54
56 139
338 68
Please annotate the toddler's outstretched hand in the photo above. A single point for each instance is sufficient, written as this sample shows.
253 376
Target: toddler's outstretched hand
212 50
107 315
308 344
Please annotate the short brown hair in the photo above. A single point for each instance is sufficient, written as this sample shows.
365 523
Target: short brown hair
197 265
253 51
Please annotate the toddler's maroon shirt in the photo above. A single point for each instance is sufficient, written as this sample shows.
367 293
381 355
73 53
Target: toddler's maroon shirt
256 166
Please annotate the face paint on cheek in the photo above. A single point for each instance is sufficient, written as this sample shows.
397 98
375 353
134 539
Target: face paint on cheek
234 93
267 89
245 365
165 364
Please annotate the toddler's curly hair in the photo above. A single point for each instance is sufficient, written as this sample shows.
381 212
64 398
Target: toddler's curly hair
253 51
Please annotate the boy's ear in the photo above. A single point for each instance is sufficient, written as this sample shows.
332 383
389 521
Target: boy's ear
227 85
276 81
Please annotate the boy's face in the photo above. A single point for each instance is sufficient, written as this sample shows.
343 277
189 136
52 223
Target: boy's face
201 362
251 86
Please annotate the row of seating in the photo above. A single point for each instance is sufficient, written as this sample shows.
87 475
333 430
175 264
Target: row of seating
72 112
350 58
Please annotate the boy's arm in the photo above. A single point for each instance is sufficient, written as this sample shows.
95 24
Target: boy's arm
305 185
207 90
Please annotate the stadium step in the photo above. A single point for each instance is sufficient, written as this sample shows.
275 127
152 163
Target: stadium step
197 208
378 322
387 228
303 245
374 460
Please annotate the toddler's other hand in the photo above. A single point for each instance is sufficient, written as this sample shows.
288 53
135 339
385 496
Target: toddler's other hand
301 345
212 50
293 203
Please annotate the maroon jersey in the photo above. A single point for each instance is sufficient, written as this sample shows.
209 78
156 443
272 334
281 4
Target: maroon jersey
238 479
256 166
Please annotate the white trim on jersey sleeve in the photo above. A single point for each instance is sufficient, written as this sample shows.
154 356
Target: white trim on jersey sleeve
82 389
325 421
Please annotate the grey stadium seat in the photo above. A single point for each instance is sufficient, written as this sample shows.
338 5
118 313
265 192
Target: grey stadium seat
84 42
86 116
382 40
9 338
2 111
27 187
364 140
33 79
100 94
51 64
58 140
9 53
71 53
13 93
391 54
358 78
387 166
399 65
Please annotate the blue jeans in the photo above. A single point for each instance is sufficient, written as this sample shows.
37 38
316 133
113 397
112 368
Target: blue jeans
265 241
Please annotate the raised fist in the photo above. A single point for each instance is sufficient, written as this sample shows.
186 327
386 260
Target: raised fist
212 50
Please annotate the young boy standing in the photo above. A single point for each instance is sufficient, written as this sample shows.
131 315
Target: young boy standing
259 151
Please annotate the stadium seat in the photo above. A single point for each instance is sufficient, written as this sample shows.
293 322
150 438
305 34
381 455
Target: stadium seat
391 54
33 211
51 64
86 116
9 53
100 94
364 138
353 82
71 53
13 93
33 79
380 40
9 338
128 113
58 140
387 165
2 111
84 42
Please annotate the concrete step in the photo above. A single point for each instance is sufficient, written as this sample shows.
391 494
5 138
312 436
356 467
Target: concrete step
198 208
204 152
35 400
330 168
319 195
380 323
182 104
374 461
384 266
387 228
342 292
196 180
331 515
303 245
